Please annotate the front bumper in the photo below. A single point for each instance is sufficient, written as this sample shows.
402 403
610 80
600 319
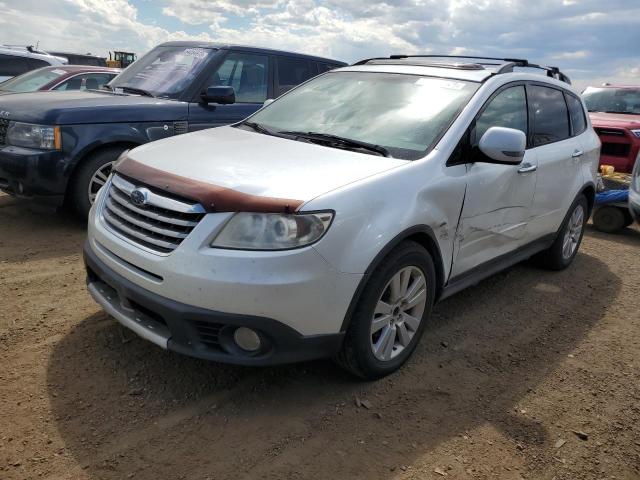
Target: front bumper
196 331
30 173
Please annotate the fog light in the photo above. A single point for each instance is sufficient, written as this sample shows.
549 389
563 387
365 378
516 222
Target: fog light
247 339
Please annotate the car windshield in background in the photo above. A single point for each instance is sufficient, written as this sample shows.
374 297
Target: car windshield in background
31 81
164 71
399 115
612 100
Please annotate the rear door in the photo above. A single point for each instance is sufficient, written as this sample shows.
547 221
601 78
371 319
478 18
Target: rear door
559 155
248 74
498 198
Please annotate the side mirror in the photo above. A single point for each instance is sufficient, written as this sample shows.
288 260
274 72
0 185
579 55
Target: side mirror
503 145
268 101
219 94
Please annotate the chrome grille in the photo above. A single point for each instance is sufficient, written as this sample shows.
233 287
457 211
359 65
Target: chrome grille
4 125
161 224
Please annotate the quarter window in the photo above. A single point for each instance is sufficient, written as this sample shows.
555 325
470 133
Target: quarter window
576 112
292 72
507 109
246 73
550 115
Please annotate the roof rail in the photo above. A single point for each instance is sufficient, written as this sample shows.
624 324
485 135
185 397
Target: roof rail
506 65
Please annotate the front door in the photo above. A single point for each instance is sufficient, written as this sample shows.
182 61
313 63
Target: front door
498 199
248 74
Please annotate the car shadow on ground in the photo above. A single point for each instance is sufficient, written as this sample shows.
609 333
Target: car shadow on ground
124 406
627 236
19 220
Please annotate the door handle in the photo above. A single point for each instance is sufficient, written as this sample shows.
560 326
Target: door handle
577 153
527 167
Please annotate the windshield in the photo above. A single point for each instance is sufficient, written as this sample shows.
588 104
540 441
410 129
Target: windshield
164 71
612 100
31 81
403 114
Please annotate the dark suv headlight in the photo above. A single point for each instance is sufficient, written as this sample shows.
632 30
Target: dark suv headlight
29 135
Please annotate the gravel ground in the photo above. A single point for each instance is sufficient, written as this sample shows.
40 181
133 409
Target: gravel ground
529 374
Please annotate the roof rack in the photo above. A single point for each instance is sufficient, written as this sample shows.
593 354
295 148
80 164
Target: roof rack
505 65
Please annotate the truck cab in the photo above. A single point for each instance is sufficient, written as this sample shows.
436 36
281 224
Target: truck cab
60 146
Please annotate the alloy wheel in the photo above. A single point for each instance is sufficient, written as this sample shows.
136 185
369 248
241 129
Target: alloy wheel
573 232
98 180
398 313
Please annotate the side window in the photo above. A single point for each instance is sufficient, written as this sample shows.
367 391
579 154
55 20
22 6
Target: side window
576 112
325 67
292 72
10 65
87 81
550 115
246 73
507 109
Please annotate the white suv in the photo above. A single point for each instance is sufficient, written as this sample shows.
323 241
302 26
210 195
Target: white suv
328 223
16 60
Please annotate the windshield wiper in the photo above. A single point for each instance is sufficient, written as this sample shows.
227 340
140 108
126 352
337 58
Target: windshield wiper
259 128
135 90
340 142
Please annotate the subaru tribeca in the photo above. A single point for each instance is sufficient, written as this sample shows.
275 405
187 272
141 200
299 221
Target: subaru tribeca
328 223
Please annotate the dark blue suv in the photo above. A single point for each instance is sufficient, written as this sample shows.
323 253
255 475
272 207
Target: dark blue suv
61 146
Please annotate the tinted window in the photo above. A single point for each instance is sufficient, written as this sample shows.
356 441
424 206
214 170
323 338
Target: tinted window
550 116
325 67
11 66
246 73
292 72
576 112
87 81
507 109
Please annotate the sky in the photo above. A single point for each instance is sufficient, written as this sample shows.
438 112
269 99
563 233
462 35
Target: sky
592 41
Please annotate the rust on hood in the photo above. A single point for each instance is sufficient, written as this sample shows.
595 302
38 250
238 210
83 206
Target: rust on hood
213 198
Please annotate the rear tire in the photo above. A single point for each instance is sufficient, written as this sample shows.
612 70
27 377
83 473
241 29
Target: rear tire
391 313
567 243
610 219
92 172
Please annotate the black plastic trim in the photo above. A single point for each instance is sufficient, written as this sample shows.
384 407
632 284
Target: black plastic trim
487 269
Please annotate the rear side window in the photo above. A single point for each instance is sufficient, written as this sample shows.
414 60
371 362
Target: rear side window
576 112
550 115
507 109
87 81
10 65
292 72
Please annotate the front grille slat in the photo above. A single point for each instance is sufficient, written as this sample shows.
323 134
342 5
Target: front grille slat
154 225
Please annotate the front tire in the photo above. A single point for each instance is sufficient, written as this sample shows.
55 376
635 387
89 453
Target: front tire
565 247
391 313
91 175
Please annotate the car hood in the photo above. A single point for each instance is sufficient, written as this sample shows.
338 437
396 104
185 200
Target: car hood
82 107
231 169
619 120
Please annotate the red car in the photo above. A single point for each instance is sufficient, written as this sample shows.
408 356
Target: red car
615 115
64 77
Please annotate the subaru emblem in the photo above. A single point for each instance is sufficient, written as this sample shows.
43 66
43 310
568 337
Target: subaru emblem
140 197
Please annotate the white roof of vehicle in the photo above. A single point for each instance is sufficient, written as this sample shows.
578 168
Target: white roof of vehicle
19 51
458 74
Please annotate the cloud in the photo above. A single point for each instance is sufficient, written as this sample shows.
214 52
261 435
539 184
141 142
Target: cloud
567 33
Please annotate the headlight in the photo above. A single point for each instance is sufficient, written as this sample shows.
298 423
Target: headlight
272 231
636 133
34 136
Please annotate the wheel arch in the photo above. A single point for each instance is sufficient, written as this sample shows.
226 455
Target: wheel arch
422 235
100 147
589 191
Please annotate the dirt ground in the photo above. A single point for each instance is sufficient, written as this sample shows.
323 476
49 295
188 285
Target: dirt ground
505 376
